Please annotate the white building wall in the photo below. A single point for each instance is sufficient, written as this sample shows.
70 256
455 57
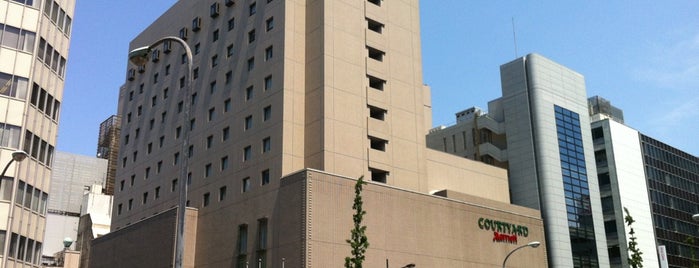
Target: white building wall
632 190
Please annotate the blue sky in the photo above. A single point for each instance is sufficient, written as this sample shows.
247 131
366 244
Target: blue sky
643 56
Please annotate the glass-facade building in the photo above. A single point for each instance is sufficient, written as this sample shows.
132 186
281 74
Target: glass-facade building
673 186
576 188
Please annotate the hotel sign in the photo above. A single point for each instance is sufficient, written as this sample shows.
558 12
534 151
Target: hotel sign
503 232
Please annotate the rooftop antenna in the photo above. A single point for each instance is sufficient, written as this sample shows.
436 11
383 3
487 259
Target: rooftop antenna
514 36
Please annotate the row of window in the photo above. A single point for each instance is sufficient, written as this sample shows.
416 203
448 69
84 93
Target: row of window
13 86
31 197
17 38
246 185
45 102
31 3
58 16
38 148
10 135
51 58
22 248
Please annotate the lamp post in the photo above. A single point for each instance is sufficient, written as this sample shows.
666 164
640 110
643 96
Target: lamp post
139 57
18 156
533 244
695 217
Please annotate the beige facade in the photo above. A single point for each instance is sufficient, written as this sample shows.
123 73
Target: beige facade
310 216
35 40
285 90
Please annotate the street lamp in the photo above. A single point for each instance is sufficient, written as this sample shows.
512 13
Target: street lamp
18 156
695 217
533 244
139 57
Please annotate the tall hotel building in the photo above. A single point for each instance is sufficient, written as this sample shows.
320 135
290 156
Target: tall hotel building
34 39
292 100
540 131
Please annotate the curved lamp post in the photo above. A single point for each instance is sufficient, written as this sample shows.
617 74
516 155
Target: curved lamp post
695 217
139 57
533 244
18 156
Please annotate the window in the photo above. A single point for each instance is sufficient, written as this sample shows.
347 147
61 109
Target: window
150 148
214 61
266 113
145 198
212 87
147 173
190 151
230 3
121 185
183 59
269 53
163 115
195 73
183 34
251 36
229 51
173 185
375 53
161 141
193 100
224 163
206 200
378 175
176 158
242 246
229 77
197 48
167 70
247 153
139 110
196 24
178 131
377 144
377 113
262 242
135 156
269 24
157 192
207 170
214 10
251 63
167 47
192 123
10 135
154 101
209 141
248 93
17 38
376 83
130 204
268 82
155 55
246 184
225 133
231 24
180 105
248 122
252 9
374 26
266 145
215 35
375 2
119 209
222 193
159 167
264 177
226 105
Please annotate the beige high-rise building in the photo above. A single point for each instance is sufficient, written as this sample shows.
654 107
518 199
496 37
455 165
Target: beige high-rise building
35 37
291 101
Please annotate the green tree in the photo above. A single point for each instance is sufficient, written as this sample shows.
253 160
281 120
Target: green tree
358 240
635 259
